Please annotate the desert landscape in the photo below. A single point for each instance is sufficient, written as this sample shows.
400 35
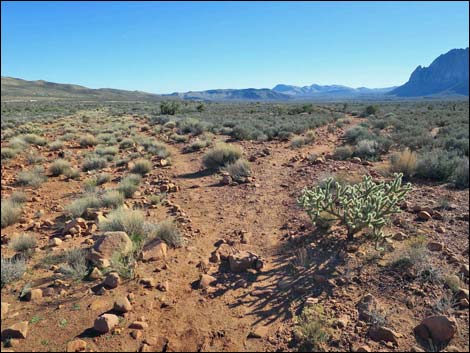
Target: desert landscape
319 218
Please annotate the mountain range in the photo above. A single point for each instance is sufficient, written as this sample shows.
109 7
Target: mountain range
447 76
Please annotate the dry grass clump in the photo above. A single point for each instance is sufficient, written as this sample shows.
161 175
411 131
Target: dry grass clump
59 167
221 155
404 162
141 166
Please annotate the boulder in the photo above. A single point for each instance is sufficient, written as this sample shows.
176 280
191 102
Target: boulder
243 261
206 281
107 245
112 280
122 305
385 334
105 323
156 249
439 328
366 306
18 330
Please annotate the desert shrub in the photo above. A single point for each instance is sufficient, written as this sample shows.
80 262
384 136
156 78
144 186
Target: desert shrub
191 126
437 165
312 328
460 176
102 178
23 243
8 153
169 108
76 266
79 206
10 212
124 265
33 177
141 166
297 141
72 173
404 162
33 139
366 149
221 155
157 199
239 170
356 134
343 153
169 233
59 167
93 162
12 269
126 220
158 149
18 197
88 141
56 145
122 162
370 110
179 138
107 151
126 143
112 198
359 206
196 146
309 136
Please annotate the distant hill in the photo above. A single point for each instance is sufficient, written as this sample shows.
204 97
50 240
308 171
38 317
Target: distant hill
328 91
18 89
447 75
246 94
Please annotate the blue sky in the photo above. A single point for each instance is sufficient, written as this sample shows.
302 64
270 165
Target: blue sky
164 47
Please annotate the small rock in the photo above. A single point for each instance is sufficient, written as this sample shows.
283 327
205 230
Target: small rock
366 305
33 295
258 332
54 242
105 323
76 346
139 325
137 334
206 281
112 280
435 246
424 216
95 274
154 250
122 305
385 334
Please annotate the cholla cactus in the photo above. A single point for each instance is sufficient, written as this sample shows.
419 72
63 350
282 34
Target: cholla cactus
364 205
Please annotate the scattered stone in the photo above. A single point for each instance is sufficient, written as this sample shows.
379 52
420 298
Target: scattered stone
105 323
440 230
243 261
154 250
137 334
366 306
139 325
122 305
95 274
424 216
439 328
33 295
107 245
435 246
18 330
148 282
76 346
356 160
206 281
112 280
258 332
385 334
54 242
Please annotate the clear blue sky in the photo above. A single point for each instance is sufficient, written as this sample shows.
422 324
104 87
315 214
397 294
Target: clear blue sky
164 47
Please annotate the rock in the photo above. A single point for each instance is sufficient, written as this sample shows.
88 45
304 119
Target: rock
112 280
163 287
122 305
5 307
148 282
105 323
439 328
95 274
342 322
154 250
362 348
206 281
440 230
139 325
464 269
424 216
33 295
366 305
54 242
462 293
18 330
76 346
224 251
385 334
356 160
107 245
258 332
435 246
243 261
399 236
136 334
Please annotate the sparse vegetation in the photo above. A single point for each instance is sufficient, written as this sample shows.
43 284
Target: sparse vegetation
59 167
239 170
10 212
141 166
169 233
12 269
23 243
221 155
32 178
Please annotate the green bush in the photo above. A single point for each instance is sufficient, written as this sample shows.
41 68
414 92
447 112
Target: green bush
169 233
112 198
169 108
93 163
239 170
437 165
88 141
12 269
10 212
312 328
343 153
126 220
142 166
364 205
221 155
367 149
23 243
79 206
129 185
59 167
33 178
460 176
56 145
76 266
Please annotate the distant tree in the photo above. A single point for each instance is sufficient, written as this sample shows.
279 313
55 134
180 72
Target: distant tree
201 107
169 108
371 110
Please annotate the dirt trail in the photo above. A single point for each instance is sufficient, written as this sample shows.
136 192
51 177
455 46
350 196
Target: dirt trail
261 209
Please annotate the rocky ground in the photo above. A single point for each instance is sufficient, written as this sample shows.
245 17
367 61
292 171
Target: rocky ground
252 262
